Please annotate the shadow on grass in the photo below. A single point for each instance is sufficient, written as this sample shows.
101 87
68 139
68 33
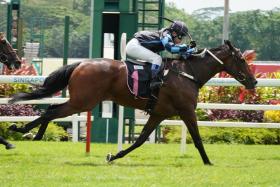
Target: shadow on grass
184 156
9 154
175 165
269 158
85 164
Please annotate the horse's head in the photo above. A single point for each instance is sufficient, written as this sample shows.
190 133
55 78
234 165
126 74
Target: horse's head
236 66
8 55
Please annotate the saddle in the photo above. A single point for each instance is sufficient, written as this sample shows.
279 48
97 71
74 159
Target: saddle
139 76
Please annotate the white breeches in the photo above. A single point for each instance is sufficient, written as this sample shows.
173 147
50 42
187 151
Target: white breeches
135 50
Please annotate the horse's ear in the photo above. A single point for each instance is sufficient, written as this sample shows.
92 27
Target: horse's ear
227 42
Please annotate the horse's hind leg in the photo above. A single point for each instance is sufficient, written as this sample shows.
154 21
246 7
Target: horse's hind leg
147 130
41 130
33 124
29 126
54 112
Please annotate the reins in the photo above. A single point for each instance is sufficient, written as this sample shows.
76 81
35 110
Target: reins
214 56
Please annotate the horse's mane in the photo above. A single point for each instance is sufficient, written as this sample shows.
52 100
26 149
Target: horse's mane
223 47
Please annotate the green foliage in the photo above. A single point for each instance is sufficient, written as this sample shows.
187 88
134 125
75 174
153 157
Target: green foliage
226 135
53 132
7 90
4 132
53 15
257 30
218 94
231 94
202 114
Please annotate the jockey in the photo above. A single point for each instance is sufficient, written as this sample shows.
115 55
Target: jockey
146 44
6 143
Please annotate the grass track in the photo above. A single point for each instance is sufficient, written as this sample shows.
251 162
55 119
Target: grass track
65 164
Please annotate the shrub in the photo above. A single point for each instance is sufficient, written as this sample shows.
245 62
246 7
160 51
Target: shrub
272 116
4 132
10 89
226 135
53 132
236 115
202 115
18 110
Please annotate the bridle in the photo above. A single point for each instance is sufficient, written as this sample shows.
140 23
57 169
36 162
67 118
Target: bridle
239 75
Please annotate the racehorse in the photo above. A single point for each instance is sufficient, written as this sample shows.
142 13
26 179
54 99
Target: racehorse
8 55
92 81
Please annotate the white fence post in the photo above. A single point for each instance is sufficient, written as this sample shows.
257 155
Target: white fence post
152 138
75 130
120 128
183 139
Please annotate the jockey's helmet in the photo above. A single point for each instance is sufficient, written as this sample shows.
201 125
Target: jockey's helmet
179 27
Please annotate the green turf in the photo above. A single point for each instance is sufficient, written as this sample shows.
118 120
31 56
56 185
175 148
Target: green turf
65 164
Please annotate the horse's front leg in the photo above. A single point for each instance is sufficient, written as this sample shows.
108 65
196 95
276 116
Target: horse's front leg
189 118
152 123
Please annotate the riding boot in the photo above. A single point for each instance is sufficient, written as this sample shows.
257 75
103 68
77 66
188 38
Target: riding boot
156 82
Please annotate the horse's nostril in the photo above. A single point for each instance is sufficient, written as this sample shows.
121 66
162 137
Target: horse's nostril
256 82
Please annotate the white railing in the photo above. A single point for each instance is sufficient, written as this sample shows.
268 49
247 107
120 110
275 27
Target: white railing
52 100
212 82
233 82
22 79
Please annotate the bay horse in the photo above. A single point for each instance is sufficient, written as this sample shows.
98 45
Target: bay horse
94 80
8 55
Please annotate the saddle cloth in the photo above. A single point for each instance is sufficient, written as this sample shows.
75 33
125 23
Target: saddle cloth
138 79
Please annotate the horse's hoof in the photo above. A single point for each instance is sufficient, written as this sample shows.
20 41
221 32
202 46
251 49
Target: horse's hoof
109 158
209 164
28 136
10 146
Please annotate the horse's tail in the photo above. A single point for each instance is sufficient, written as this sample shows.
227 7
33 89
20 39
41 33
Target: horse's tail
55 82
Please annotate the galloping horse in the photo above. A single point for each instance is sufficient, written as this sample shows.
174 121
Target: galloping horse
8 55
92 81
